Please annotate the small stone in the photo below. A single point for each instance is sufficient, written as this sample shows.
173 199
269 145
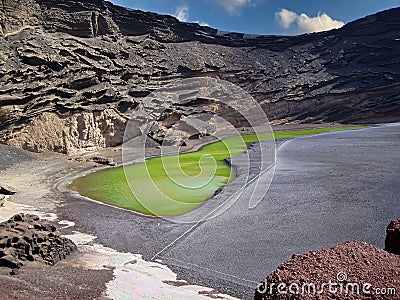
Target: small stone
3 242
28 249
15 272
103 160
21 228
30 258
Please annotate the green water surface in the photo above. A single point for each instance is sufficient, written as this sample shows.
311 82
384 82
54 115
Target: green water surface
175 185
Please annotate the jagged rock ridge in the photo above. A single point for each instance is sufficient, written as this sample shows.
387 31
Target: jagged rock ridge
73 59
25 238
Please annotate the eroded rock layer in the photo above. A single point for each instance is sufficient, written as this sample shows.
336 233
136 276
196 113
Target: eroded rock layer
68 60
25 238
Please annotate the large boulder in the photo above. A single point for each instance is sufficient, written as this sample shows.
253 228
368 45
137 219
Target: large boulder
352 270
392 243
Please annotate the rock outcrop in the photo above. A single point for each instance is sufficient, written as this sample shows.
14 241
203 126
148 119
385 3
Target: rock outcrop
72 133
351 270
108 161
25 238
63 63
7 190
392 243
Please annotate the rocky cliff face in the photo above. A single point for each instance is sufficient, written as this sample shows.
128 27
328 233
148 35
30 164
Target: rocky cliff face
79 132
63 60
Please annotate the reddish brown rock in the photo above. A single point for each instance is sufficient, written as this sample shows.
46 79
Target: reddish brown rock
351 270
392 243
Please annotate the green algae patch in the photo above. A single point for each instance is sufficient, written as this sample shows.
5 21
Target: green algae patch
297 133
178 184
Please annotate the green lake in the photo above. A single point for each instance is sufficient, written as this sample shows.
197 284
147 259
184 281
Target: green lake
174 185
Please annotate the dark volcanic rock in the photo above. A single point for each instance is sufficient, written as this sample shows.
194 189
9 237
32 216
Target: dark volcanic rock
392 243
9 261
7 190
109 161
16 15
63 63
25 238
349 265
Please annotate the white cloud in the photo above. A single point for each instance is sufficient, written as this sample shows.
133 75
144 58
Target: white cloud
285 18
182 13
304 23
202 23
317 24
233 6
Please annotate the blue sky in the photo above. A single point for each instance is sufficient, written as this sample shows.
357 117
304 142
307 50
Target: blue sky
265 16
